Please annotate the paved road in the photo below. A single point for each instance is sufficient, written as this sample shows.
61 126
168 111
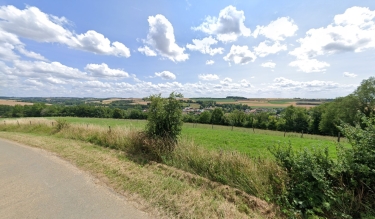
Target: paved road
36 184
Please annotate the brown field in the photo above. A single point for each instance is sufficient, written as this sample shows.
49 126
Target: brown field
13 103
135 101
266 103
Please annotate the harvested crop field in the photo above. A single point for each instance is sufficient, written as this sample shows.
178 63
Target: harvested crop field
13 102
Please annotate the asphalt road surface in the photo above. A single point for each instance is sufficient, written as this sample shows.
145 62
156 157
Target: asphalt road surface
36 184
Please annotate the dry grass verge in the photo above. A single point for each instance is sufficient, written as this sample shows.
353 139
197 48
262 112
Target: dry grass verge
157 187
221 191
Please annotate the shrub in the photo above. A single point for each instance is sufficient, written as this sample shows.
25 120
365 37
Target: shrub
342 188
164 124
309 187
61 124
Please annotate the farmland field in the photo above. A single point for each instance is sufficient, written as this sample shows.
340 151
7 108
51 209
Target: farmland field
218 100
223 138
13 102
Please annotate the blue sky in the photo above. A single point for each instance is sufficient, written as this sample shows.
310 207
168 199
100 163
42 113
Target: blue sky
306 49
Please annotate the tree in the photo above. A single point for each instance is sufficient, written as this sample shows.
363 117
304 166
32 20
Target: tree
365 94
205 117
164 118
217 115
117 113
288 115
238 117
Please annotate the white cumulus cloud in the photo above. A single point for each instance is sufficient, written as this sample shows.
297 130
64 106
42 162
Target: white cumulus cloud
277 30
166 75
208 77
95 42
310 65
315 85
147 51
263 49
161 38
352 31
21 49
102 70
38 68
349 75
210 62
240 55
227 27
204 46
268 64
31 23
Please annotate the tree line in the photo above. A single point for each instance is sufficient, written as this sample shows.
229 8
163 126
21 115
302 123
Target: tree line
322 119
82 110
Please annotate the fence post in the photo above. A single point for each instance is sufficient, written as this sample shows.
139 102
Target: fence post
284 132
18 123
212 126
109 128
338 137
5 123
302 134
52 123
30 122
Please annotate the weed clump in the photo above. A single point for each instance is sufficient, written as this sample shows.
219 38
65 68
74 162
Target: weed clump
61 124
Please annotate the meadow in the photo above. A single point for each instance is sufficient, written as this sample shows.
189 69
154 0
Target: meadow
238 158
253 143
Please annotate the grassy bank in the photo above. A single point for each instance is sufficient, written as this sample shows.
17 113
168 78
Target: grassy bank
244 140
194 182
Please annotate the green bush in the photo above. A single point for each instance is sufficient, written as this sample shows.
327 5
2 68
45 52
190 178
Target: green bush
358 166
61 124
319 185
309 187
164 124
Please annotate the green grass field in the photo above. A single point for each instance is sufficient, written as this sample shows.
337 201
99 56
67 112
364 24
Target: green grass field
283 101
223 138
214 99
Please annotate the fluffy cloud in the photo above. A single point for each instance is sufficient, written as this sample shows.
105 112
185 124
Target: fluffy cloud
349 75
204 46
245 83
240 55
208 77
352 31
161 38
39 68
54 80
7 53
227 27
277 30
310 65
33 82
268 64
166 75
95 42
96 84
210 62
21 49
315 85
263 49
147 51
102 70
34 24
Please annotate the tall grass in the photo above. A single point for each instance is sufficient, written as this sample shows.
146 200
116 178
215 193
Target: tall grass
258 177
